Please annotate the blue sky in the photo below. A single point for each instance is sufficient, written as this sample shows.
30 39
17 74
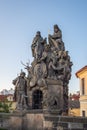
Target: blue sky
19 21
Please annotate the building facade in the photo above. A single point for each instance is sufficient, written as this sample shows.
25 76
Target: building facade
82 75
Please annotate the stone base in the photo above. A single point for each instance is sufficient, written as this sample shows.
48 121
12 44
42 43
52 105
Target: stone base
41 120
65 123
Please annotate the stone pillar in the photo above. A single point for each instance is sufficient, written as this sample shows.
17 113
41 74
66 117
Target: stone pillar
55 97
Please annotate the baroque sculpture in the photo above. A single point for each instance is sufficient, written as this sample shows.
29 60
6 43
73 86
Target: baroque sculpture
20 95
48 76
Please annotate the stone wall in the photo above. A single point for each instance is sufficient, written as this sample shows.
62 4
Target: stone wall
41 120
33 121
65 123
11 121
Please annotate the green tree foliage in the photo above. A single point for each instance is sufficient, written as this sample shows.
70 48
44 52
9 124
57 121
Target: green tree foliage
5 106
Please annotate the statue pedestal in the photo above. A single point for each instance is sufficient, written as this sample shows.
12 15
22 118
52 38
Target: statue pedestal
48 97
55 97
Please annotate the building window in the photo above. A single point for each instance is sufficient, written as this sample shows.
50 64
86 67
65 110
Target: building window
83 113
83 86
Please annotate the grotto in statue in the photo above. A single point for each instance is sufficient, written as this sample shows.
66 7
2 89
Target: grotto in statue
48 75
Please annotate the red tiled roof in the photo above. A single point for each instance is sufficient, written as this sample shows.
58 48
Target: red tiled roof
75 97
3 97
9 95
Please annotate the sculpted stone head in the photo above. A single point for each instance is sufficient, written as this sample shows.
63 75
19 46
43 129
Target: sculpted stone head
38 33
56 28
22 74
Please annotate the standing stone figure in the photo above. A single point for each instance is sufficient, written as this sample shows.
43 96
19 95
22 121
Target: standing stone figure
20 94
38 46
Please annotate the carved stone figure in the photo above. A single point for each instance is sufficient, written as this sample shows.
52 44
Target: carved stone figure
40 73
21 91
56 39
38 45
48 75
51 62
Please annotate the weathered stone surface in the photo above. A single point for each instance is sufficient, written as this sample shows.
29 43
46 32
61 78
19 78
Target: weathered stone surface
38 120
48 75
34 121
75 126
15 123
20 94
55 97
50 69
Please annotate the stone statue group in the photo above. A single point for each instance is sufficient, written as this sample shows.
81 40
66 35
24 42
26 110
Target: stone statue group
51 61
